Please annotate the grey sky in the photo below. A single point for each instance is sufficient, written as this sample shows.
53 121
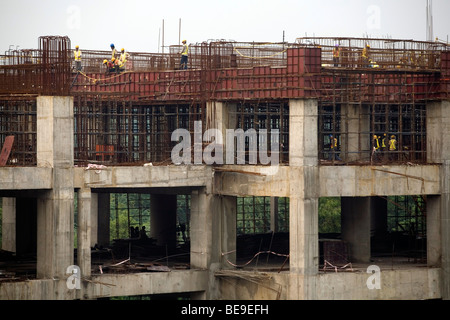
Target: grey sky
137 25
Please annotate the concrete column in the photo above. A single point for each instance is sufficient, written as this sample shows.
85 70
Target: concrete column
103 222
55 218
445 227
355 121
274 214
9 224
84 232
163 219
303 137
213 236
304 199
94 219
438 208
434 235
438 126
221 116
355 227
201 225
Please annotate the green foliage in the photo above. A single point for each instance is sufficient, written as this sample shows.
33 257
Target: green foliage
329 215
128 210
406 214
253 215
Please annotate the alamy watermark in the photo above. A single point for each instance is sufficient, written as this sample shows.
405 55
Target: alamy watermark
374 281
374 19
73 21
235 144
74 280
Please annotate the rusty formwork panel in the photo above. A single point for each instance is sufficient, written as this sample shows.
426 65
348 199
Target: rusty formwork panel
44 71
299 79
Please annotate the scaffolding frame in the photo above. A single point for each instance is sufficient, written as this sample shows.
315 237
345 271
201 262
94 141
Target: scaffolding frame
128 118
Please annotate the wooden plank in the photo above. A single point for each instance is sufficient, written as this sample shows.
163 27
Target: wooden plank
7 146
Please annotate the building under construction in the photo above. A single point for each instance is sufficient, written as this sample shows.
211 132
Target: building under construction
356 126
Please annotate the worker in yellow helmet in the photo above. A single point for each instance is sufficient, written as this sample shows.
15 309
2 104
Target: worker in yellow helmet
77 58
334 155
365 56
184 55
336 55
123 59
392 148
375 147
111 66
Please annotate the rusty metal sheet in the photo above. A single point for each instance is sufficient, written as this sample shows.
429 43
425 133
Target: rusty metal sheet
7 146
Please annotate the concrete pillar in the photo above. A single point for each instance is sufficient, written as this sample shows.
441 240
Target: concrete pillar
55 217
355 137
445 227
355 227
304 199
9 224
434 235
438 208
94 219
163 219
221 116
213 236
274 214
84 232
103 222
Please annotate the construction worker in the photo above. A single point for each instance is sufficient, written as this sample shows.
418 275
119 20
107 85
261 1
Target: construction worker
123 59
336 55
384 146
113 51
77 58
392 148
184 55
333 149
365 56
375 147
111 66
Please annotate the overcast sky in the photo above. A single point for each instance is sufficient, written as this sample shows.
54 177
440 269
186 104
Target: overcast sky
137 25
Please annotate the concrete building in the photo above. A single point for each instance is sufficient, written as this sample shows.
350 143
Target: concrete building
81 137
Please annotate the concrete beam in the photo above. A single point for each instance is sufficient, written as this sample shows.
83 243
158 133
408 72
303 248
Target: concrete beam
335 181
143 177
107 285
25 178
362 181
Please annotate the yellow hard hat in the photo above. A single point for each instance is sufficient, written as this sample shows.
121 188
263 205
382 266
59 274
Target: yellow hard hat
122 49
392 137
183 41
76 47
105 61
